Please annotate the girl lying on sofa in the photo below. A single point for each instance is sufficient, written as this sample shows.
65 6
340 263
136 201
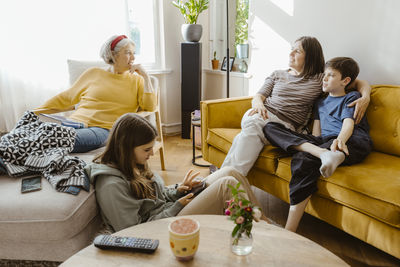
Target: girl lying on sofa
129 193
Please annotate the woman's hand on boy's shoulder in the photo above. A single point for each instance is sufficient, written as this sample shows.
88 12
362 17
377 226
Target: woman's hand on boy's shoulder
361 105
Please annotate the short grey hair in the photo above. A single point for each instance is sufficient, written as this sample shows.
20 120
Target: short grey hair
105 52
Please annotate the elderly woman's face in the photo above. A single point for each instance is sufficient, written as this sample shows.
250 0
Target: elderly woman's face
297 57
125 56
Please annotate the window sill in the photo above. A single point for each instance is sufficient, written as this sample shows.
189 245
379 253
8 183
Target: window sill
159 71
232 73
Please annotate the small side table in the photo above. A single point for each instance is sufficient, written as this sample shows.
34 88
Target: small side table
196 123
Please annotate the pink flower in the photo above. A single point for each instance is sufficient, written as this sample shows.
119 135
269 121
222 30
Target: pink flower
229 202
227 212
240 203
239 220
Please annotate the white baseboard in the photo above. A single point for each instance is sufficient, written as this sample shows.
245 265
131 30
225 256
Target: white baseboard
171 128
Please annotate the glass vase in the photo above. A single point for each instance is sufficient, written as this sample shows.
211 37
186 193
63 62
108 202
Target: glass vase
241 243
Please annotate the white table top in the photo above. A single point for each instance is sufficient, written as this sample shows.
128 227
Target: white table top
272 246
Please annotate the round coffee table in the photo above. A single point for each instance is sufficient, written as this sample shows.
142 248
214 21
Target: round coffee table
272 246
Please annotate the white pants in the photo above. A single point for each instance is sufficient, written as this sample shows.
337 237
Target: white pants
248 144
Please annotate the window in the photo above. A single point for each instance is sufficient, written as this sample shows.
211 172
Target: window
143 29
238 26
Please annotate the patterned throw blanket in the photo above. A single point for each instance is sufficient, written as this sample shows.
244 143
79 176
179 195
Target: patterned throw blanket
35 147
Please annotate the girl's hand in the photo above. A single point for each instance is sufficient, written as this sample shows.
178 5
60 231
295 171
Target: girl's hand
338 144
188 182
186 199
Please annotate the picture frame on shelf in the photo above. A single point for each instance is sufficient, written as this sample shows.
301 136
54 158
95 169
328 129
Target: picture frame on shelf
224 63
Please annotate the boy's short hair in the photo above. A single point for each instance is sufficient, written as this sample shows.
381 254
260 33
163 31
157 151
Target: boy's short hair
347 67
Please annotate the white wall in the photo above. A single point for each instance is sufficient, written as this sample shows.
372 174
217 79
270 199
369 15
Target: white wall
366 30
171 97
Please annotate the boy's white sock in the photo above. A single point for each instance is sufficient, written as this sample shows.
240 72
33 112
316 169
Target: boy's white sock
330 160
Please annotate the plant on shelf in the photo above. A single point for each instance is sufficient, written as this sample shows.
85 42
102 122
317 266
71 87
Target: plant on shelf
215 61
191 9
242 212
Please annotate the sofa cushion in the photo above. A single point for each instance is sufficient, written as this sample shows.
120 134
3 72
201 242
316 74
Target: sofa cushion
369 187
44 215
222 139
384 118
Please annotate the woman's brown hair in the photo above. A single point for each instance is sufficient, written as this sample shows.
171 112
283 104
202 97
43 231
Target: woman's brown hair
314 62
128 132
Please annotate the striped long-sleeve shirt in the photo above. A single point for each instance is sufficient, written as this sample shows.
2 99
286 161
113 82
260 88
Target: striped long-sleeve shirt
291 97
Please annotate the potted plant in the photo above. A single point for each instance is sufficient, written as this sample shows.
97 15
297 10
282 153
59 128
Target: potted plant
215 61
191 9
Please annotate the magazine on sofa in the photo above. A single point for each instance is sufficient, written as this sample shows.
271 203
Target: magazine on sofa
61 120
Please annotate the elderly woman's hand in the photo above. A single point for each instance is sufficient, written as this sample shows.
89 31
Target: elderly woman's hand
139 69
360 109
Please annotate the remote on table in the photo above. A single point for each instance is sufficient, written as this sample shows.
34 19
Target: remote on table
145 245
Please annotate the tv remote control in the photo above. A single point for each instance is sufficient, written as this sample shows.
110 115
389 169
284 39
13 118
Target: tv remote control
134 244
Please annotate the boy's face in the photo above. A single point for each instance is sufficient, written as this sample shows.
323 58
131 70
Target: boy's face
333 82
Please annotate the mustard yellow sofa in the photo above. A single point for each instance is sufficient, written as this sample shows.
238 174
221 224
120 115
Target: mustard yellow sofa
362 200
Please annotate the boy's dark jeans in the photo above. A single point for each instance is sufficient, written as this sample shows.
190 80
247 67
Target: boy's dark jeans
304 166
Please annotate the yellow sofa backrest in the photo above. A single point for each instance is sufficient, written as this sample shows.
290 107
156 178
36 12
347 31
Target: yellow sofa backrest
384 118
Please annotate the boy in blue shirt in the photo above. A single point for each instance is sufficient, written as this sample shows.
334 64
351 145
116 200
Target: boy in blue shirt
335 139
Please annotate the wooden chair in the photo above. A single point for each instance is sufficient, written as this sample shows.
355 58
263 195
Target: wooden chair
159 144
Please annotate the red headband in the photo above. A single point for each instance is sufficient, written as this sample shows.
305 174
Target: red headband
116 40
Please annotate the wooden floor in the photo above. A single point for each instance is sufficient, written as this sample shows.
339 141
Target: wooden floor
178 156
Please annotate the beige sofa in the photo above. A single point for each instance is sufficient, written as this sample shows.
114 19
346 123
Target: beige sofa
362 200
46 224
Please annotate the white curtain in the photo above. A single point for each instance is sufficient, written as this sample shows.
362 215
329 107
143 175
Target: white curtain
37 38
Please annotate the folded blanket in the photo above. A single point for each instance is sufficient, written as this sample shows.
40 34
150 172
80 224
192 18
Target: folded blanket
36 147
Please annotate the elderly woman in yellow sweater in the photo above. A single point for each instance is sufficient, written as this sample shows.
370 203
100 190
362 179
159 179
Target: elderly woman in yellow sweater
104 95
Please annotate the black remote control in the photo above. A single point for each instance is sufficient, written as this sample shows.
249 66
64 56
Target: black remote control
144 245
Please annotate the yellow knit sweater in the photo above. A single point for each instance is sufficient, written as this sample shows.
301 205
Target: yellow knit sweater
103 97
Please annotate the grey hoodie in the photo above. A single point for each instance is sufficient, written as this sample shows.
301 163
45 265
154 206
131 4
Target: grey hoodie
119 207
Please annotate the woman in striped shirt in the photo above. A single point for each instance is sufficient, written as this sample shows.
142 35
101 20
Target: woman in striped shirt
286 97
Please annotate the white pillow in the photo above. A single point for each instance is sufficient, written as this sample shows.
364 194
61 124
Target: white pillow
77 67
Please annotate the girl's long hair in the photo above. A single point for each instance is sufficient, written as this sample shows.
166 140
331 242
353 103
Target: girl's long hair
128 132
314 62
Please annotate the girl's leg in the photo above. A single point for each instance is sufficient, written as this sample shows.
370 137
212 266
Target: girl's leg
230 171
247 145
87 139
213 199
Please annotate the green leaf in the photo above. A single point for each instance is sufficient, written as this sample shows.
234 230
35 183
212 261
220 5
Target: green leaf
237 227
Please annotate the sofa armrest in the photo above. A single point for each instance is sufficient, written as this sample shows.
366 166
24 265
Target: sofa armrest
221 113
